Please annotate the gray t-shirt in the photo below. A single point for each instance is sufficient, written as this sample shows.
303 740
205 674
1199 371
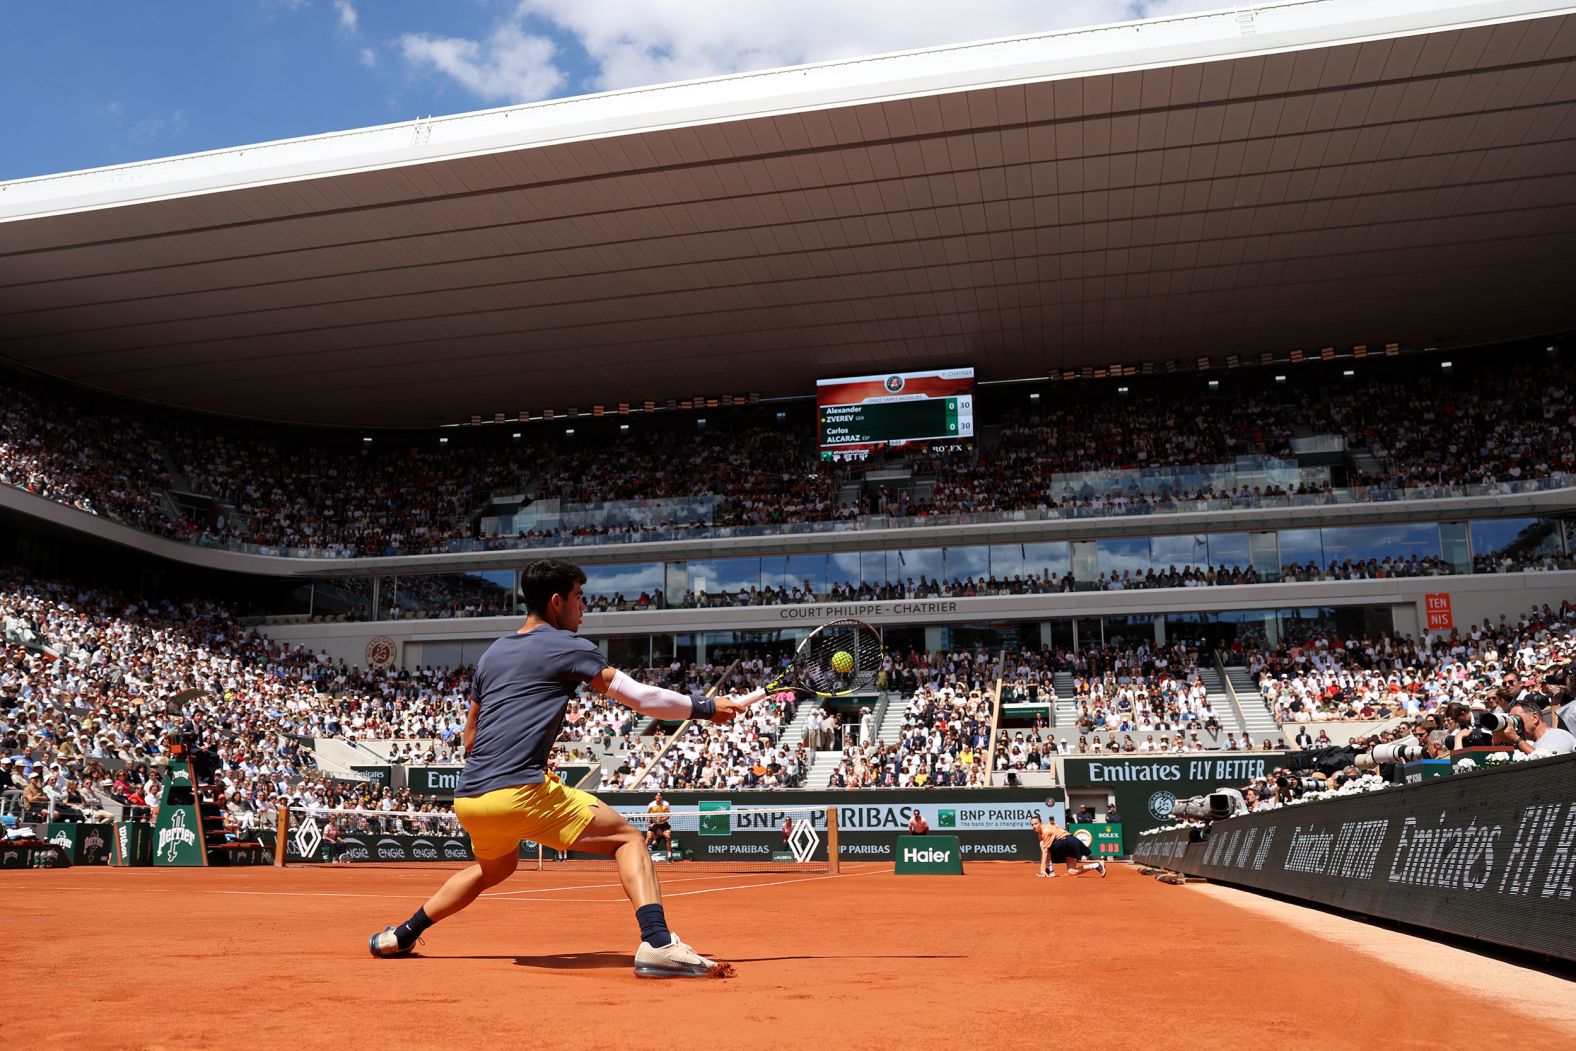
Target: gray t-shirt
1554 742
524 683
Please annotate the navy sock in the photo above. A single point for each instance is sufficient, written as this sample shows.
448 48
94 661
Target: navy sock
413 928
653 926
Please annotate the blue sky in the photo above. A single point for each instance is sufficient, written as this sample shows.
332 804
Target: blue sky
102 83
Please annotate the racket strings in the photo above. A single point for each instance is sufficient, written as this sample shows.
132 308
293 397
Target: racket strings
853 647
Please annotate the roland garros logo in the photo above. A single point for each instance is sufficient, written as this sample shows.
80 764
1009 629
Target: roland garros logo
1160 805
381 652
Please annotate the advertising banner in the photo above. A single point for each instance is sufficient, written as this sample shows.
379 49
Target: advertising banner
1488 855
374 846
133 844
989 823
437 781
177 838
928 856
84 844
380 776
1145 788
15 855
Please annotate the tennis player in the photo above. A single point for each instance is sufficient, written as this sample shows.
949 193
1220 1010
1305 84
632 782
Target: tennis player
1058 844
657 824
506 793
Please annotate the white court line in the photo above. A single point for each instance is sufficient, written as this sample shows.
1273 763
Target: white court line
688 893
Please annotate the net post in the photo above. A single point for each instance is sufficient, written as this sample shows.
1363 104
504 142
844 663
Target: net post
282 829
831 839
540 850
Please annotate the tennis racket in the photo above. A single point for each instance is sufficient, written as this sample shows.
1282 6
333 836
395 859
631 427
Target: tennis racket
838 659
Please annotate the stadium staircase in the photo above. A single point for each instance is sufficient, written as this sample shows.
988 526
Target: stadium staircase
821 767
1220 701
793 733
1260 724
890 713
1065 710
1366 464
891 723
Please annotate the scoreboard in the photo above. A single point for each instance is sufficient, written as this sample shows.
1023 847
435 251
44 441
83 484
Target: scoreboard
859 414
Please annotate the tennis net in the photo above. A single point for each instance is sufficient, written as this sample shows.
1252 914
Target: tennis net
714 837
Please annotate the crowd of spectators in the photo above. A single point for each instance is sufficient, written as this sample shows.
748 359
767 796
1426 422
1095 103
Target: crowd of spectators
1391 676
93 685
105 467
87 677
746 753
1054 583
948 698
281 488
1141 687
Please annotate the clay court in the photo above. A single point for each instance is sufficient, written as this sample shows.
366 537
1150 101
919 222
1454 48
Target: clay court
276 958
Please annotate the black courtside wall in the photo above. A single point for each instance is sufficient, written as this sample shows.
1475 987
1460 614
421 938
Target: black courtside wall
1489 855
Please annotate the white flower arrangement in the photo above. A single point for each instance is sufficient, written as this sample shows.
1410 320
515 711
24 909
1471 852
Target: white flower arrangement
1465 765
1165 828
1369 782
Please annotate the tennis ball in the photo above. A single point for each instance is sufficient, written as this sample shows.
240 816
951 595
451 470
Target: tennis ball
842 662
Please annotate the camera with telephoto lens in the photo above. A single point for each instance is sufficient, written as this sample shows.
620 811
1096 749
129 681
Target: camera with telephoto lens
1395 753
1219 804
1499 722
1298 785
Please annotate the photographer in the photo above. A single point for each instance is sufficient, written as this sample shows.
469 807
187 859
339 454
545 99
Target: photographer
1533 737
1464 732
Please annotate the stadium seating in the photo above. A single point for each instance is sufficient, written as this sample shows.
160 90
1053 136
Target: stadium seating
85 676
211 483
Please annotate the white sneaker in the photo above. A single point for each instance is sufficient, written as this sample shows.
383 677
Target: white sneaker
675 960
385 943
1101 866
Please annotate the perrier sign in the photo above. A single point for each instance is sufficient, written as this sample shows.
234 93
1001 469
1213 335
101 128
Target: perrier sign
177 838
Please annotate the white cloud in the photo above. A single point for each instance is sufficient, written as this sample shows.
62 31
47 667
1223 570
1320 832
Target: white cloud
631 43
509 66
638 42
348 19
369 57
160 127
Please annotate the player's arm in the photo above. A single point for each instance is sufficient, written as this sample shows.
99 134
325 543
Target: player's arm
660 703
469 736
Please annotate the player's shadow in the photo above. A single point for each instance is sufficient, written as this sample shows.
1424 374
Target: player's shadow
851 956
586 961
575 961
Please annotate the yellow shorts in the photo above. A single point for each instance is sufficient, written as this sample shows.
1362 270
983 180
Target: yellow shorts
550 813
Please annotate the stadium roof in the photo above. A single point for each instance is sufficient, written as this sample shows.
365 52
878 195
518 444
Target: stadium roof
1277 176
